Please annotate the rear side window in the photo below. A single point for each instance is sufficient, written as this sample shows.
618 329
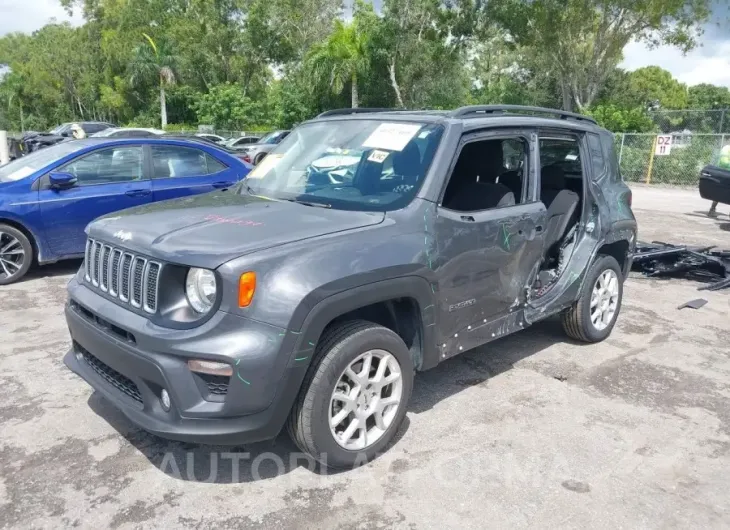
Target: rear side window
176 161
598 162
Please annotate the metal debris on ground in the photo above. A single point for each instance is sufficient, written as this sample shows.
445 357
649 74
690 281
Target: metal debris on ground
694 304
657 259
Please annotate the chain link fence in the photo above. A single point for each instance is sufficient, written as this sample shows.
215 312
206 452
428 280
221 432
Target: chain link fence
696 139
680 166
692 121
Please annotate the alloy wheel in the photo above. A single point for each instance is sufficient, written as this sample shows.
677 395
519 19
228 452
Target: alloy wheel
365 400
604 299
12 255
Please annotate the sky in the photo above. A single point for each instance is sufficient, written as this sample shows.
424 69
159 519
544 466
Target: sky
709 63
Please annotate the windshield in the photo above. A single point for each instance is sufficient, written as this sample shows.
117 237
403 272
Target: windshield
29 164
61 128
366 165
272 137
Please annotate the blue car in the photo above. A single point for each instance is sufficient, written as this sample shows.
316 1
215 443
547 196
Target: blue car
49 196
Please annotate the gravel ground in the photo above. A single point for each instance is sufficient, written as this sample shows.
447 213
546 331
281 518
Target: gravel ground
533 430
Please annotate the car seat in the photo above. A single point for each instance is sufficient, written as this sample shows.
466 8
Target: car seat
561 205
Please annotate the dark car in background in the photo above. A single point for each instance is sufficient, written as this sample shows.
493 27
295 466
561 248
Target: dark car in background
255 153
715 184
89 127
48 197
33 141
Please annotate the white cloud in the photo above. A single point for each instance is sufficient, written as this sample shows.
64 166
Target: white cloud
707 64
29 15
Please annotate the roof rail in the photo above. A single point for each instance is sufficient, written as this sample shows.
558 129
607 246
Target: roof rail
475 110
359 110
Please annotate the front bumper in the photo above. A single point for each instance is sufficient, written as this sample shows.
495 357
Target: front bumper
129 361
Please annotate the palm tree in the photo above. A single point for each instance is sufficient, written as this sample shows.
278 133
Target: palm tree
154 62
343 57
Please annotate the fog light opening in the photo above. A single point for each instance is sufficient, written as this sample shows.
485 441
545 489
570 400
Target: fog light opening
165 399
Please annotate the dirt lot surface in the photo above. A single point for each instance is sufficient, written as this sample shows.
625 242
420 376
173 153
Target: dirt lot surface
533 430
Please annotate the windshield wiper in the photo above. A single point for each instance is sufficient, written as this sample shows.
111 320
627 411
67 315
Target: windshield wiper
248 188
309 203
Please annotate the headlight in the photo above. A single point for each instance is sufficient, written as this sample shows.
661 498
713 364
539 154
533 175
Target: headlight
200 289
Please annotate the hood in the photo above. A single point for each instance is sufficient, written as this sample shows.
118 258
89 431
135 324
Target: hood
208 230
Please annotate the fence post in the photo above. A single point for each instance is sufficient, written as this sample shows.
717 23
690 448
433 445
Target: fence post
651 160
722 121
4 148
621 150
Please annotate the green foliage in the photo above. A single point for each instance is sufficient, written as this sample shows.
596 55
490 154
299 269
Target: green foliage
342 58
244 64
654 86
705 96
582 42
682 166
227 107
618 119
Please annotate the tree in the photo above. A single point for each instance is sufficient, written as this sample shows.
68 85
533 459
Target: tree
424 44
709 97
226 106
583 41
654 87
151 60
618 119
342 58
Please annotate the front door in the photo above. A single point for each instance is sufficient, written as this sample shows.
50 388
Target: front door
108 179
488 250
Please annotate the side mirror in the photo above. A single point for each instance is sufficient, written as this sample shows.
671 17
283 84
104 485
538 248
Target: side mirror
62 181
67 134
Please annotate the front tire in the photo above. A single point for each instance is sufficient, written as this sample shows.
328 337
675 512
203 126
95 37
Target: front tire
16 254
592 317
354 396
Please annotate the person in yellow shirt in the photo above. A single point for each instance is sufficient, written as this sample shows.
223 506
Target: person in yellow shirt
723 162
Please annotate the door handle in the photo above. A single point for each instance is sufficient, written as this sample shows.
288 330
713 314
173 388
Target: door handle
222 184
137 193
467 218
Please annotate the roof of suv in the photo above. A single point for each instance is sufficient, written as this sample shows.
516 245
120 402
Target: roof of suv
475 116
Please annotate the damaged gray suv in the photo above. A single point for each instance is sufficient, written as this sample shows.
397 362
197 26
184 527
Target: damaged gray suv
369 245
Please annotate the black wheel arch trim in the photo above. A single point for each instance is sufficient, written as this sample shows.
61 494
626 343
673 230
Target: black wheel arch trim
311 322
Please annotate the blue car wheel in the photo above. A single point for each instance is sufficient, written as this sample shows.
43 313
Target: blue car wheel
16 254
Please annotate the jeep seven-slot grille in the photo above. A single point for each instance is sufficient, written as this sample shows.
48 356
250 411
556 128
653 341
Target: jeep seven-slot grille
132 279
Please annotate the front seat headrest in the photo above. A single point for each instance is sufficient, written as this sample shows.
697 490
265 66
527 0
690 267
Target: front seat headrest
407 163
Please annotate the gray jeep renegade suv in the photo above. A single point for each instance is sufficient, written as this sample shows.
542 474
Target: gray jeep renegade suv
369 245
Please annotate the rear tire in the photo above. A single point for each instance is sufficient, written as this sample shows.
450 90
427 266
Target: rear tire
377 398
592 317
258 158
16 254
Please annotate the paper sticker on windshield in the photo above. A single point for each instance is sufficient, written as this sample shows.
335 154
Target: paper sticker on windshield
263 167
392 136
378 156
